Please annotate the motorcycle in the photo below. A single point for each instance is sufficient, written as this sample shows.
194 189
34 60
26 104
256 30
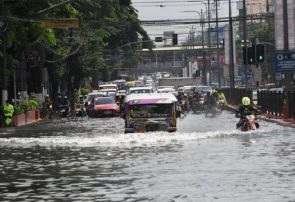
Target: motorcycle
248 122
80 110
64 111
210 109
221 105
197 104
47 112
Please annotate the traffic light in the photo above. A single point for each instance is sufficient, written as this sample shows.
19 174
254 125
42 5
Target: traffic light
251 55
175 39
245 55
260 53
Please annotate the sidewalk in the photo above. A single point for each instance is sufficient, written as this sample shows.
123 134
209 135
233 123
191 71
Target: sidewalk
268 117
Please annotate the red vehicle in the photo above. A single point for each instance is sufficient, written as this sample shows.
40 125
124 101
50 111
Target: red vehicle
103 107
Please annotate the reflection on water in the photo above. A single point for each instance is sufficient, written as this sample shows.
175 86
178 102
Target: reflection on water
92 160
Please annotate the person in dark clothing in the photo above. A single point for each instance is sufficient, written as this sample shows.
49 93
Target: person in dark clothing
244 110
209 100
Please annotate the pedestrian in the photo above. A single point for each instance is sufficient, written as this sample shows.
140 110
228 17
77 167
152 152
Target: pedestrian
8 110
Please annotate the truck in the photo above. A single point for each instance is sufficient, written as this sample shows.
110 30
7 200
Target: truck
178 81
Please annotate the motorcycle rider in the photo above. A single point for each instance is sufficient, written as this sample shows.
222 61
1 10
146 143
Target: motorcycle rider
80 109
246 109
47 106
64 103
210 100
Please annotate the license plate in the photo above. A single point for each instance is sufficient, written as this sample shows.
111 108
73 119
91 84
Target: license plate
108 112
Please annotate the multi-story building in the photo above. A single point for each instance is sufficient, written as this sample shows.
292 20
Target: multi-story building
255 7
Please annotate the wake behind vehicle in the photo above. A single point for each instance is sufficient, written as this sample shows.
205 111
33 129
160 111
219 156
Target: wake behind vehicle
150 112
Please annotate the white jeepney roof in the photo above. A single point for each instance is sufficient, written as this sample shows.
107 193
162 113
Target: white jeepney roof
150 98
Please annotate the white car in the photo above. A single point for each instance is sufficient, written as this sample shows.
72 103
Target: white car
109 92
167 90
92 95
137 90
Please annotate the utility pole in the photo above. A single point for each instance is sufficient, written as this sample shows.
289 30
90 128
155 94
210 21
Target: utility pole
4 46
204 73
288 76
231 52
217 45
209 43
245 36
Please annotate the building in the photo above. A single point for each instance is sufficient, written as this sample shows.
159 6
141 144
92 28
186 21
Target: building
254 7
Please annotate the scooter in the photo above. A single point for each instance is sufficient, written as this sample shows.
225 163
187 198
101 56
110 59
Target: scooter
64 111
210 109
249 123
81 110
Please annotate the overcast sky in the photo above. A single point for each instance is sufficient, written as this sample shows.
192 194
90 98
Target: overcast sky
178 9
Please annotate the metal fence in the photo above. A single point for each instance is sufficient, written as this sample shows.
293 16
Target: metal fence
234 96
291 96
271 102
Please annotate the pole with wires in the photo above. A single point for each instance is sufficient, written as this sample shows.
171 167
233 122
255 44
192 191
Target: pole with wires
217 45
231 53
4 65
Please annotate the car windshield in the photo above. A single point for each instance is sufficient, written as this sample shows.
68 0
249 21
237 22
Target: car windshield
90 97
103 101
140 91
151 110
203 89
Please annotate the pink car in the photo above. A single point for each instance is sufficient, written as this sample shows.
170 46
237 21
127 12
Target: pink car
103 107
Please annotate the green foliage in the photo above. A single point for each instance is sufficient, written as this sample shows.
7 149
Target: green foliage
33 105
24 105
264 33
84 91
18 110
76 53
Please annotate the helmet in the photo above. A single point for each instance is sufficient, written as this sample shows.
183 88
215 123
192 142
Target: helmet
246 101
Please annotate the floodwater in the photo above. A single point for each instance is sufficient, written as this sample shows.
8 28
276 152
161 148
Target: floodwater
84 159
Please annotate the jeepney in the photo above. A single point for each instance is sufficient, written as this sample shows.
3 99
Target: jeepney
150 112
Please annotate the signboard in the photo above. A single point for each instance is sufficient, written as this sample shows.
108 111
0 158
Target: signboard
278 76
168 35
285 61
62 23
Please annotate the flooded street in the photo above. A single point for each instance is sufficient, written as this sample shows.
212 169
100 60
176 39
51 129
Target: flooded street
87 159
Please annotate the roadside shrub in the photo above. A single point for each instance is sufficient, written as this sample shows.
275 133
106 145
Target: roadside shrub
24 105
84 91
18 110
33 105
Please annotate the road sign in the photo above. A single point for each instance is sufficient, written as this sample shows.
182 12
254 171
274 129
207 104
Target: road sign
168 35
158 39
278 76
285 61
62 23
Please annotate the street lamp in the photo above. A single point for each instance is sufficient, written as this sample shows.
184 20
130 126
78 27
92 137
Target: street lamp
201 14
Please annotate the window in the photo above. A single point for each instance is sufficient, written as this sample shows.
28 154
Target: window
151 111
